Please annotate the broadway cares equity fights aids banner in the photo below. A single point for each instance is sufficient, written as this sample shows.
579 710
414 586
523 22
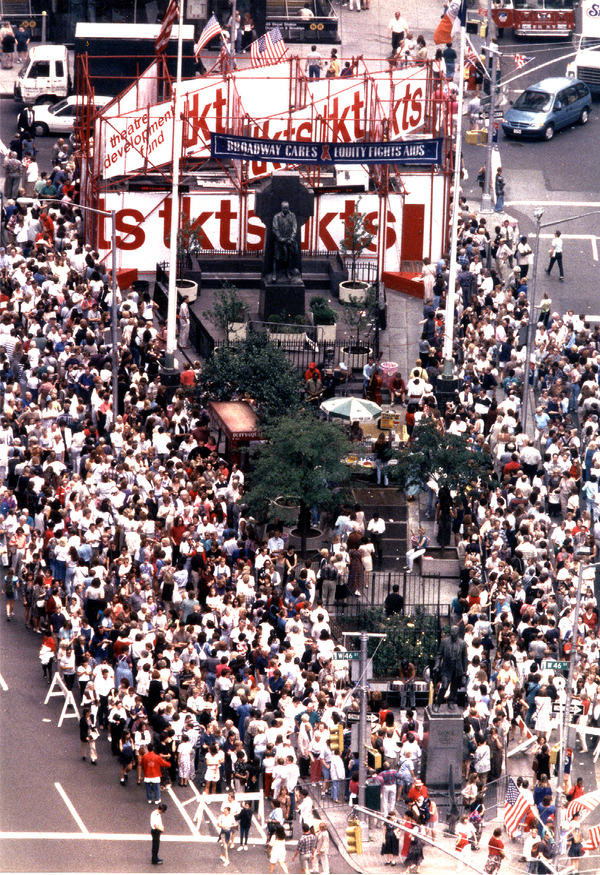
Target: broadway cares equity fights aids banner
334 111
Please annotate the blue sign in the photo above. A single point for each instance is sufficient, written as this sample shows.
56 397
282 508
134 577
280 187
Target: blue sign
226 146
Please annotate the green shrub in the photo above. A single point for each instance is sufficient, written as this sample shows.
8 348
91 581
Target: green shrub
414 638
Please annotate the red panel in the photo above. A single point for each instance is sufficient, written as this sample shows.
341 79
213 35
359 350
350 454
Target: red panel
413 229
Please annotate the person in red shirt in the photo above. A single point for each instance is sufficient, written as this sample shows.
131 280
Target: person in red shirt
188 377
495 852
576 790
151 766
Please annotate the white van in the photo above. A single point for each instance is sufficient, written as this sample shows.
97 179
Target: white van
44 77
586 65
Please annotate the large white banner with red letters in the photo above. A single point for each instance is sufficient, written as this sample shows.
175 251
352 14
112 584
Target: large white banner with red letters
257 104
228 223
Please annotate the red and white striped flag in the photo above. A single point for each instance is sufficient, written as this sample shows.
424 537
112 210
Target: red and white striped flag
515 809
594 839
171 16
268 49
586 803
521 60
212 28
524 728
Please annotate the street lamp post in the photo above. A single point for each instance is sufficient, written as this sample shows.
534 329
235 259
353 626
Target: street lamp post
486 198
538 213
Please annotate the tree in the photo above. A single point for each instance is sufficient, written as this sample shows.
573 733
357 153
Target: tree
360 314
357 237
254 367
300 461
445 458
229 309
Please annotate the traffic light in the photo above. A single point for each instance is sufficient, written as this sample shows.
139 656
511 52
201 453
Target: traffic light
336 739
354 837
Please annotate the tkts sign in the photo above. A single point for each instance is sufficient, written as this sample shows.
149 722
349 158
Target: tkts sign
370 108
143 224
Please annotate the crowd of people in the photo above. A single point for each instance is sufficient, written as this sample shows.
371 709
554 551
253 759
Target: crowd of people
522 539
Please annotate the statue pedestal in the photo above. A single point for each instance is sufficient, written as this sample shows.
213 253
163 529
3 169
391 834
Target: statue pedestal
283 297
444 748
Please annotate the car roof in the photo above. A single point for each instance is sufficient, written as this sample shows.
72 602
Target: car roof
48 51
552 84
99 99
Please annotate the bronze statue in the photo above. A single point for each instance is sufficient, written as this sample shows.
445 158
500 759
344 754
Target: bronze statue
451 667
285 250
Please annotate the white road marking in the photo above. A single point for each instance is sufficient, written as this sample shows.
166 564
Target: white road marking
114 837
552 203
183 812
569 236
71 808
3 684
595 247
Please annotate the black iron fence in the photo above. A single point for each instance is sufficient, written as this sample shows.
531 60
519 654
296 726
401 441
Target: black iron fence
419 592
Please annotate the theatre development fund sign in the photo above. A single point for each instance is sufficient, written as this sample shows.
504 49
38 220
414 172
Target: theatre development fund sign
228 146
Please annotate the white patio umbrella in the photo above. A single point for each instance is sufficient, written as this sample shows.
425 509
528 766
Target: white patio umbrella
352 409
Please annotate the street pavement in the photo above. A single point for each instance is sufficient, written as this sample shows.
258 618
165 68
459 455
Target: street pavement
61 814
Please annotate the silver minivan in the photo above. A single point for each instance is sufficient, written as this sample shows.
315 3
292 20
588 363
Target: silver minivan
546 107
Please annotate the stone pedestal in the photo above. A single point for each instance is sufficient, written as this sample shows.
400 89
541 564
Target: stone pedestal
282 298
444 748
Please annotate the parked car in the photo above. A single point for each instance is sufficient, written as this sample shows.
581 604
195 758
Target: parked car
60 117
548 106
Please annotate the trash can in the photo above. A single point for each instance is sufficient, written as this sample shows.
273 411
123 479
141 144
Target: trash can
389 369
372 795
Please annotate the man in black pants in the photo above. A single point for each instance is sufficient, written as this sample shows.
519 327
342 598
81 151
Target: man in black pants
156 829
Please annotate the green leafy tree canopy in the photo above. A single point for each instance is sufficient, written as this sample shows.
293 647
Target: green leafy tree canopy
445 458
254 367
300 461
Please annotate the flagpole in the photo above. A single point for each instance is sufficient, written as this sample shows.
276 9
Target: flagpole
177 146
448 372
233 28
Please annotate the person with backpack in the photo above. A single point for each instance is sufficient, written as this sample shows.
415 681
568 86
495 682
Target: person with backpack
327 576
575 843
10 590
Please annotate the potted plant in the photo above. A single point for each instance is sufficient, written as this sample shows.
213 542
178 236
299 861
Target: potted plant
285 332
359 316
324 318
230 313
189 244
357 238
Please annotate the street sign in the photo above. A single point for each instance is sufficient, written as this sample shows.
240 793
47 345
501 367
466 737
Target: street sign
575 710
555 664
354 717
347 656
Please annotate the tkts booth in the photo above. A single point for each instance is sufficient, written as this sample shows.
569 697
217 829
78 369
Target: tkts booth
235 421
383 137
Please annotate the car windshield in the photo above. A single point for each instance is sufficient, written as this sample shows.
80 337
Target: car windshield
534 101
58 106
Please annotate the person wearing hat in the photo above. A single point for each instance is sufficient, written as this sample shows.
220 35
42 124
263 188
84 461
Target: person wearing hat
156 830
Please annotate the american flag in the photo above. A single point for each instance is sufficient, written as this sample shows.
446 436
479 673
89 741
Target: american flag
212 28
268 49
171 15
594 839
472 59
515 809
586 803
521 60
